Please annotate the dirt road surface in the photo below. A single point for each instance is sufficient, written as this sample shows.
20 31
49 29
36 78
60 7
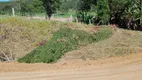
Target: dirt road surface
118 68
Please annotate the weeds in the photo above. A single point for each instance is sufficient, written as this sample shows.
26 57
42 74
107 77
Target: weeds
5 56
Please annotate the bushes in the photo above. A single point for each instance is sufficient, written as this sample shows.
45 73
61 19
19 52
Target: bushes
63 41
84 17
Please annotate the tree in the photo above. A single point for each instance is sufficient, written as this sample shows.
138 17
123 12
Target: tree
117 8
141 11
25 6
126 13
5 7
51 6
29 6
68 5
83 7
102 11
133 14
37 6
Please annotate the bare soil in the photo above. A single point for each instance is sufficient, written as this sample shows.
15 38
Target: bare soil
115 68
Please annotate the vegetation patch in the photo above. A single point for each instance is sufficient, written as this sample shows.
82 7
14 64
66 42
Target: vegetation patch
63 41
19 35
122 43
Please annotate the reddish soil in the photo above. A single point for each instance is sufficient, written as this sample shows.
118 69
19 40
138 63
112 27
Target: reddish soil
116 68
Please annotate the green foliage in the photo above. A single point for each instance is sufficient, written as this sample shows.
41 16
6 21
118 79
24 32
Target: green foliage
23 7
31 7
85 5
37 6
51 6
84 17
102 11
67 5
126 13
5 7
63 41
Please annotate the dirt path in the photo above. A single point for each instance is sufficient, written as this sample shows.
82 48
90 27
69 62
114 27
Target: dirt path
118 68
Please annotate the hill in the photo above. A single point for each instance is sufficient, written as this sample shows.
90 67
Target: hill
19 36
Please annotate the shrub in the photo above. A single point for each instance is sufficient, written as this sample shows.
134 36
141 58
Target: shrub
84 17
63 41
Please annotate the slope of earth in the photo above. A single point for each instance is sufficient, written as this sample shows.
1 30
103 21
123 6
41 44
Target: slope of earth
123 42
19 35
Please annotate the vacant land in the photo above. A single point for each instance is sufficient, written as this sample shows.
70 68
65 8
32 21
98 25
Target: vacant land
117 57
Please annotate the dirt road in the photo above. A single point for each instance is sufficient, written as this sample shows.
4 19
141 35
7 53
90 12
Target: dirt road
126 68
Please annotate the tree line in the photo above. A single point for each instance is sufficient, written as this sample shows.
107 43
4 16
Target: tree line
124 13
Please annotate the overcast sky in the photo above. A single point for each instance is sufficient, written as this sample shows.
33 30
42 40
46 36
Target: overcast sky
4 0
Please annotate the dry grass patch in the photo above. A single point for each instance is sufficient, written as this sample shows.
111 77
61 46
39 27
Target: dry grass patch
123 42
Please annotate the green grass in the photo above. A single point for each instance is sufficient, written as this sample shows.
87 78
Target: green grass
63 41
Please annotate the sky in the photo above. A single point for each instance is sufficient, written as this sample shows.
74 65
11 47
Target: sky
4 0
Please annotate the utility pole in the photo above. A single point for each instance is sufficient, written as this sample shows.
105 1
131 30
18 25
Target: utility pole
140 12
71 19
13 12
